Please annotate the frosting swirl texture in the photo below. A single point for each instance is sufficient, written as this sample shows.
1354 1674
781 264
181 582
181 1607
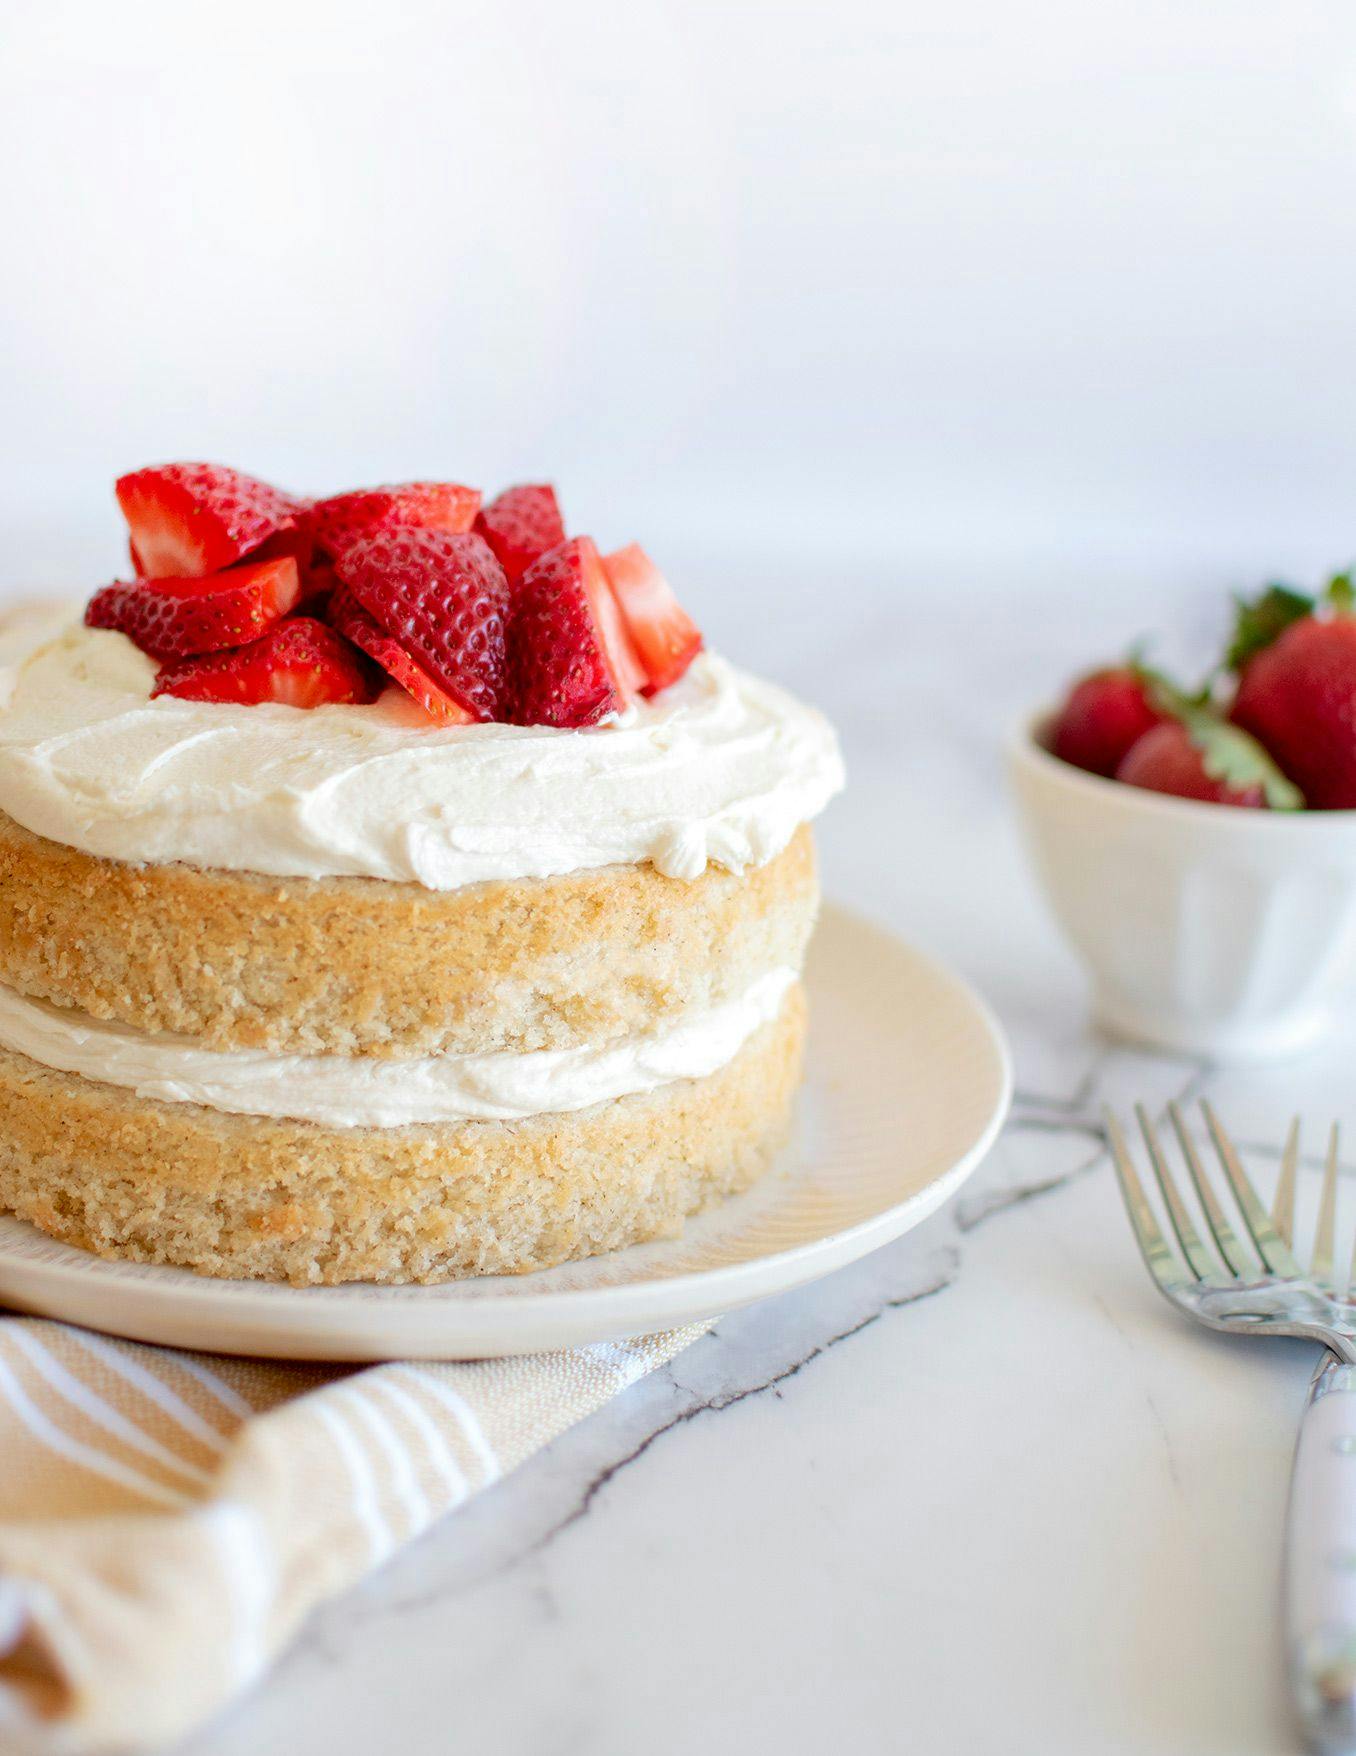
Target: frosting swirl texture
720 768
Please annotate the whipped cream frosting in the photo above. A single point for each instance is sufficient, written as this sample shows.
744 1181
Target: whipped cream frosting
359 1092
721 767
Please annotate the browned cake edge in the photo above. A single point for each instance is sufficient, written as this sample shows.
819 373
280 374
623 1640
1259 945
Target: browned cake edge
255 1198
365 966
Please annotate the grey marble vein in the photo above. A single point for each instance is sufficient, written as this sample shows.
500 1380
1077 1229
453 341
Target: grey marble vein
949 1262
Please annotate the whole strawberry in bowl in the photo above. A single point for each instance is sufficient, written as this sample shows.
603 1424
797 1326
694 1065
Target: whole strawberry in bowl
1296 665
1198 846
1102 717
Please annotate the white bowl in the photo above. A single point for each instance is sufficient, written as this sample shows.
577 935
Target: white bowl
1206 928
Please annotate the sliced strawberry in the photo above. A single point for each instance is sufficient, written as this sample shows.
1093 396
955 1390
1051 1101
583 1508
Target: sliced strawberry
320 584
665 636
172 618
294 540
629 672
521 524
343 518
300 663
137 568
444 599
354 623
195 518
572 661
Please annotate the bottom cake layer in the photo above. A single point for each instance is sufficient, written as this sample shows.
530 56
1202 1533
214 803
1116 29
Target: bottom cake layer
255 1198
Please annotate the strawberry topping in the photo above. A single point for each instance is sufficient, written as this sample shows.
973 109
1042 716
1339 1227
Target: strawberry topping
343 518
665 636
444 599
521 524
572 660
300 663
175 617
354 623
295 541
627 670
477 613
195 518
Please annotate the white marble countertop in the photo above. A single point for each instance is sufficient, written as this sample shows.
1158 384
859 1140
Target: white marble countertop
982 1491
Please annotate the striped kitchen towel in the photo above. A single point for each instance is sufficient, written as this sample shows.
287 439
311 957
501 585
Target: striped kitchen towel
167 1520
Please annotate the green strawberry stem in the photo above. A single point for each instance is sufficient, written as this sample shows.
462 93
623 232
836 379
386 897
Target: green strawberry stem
1235 759
1261 620
1229 755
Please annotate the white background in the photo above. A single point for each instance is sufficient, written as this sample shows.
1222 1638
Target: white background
974 290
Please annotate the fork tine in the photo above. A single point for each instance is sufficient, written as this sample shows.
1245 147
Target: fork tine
1283 1206
1334 1146
1270 1247
1153 1246
1233 1252
1327 1217
1202 1264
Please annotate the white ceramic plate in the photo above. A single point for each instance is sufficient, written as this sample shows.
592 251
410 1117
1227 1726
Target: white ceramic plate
908 1081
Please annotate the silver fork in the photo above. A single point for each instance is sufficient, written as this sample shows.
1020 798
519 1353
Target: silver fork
1258 1287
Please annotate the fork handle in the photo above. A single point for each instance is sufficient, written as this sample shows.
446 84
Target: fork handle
1320 1562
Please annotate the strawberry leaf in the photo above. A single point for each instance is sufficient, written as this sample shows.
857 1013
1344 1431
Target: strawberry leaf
1235 759
1339 595
1262 620
1169 697
1229 754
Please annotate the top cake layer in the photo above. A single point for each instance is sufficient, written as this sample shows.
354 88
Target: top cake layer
721 769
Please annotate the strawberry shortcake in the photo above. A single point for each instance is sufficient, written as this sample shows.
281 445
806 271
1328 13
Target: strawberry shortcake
392 887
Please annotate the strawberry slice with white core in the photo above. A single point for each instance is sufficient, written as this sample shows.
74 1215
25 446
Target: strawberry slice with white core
627 669
665 636
341 520
571 660
442 597
354 623
196 518
521 524
174 618
300 663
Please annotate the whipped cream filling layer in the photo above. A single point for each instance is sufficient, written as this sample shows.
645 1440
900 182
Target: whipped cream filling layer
359 1092
721 768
